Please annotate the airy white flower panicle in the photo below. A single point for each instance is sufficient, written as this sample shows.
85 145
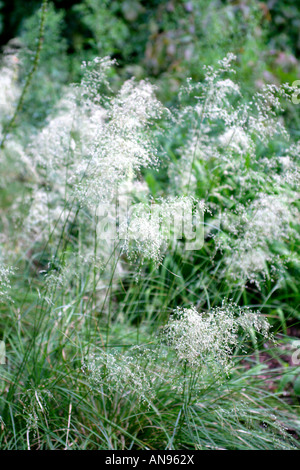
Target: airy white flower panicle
249 232
225 130
144 236
216 92
51 149
122 145
122 374
262 112
9 89
46 217
96 140
5 273
235 140
35 407
95 76
289 163
208 340
151 228
134 106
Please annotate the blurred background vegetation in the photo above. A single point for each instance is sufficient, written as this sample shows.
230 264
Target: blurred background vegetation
166 41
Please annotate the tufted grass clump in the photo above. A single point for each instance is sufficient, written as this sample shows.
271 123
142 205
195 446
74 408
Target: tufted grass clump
116 324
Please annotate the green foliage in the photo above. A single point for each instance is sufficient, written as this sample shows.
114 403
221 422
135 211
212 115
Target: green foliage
284 30
53 70
153 346
109 31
